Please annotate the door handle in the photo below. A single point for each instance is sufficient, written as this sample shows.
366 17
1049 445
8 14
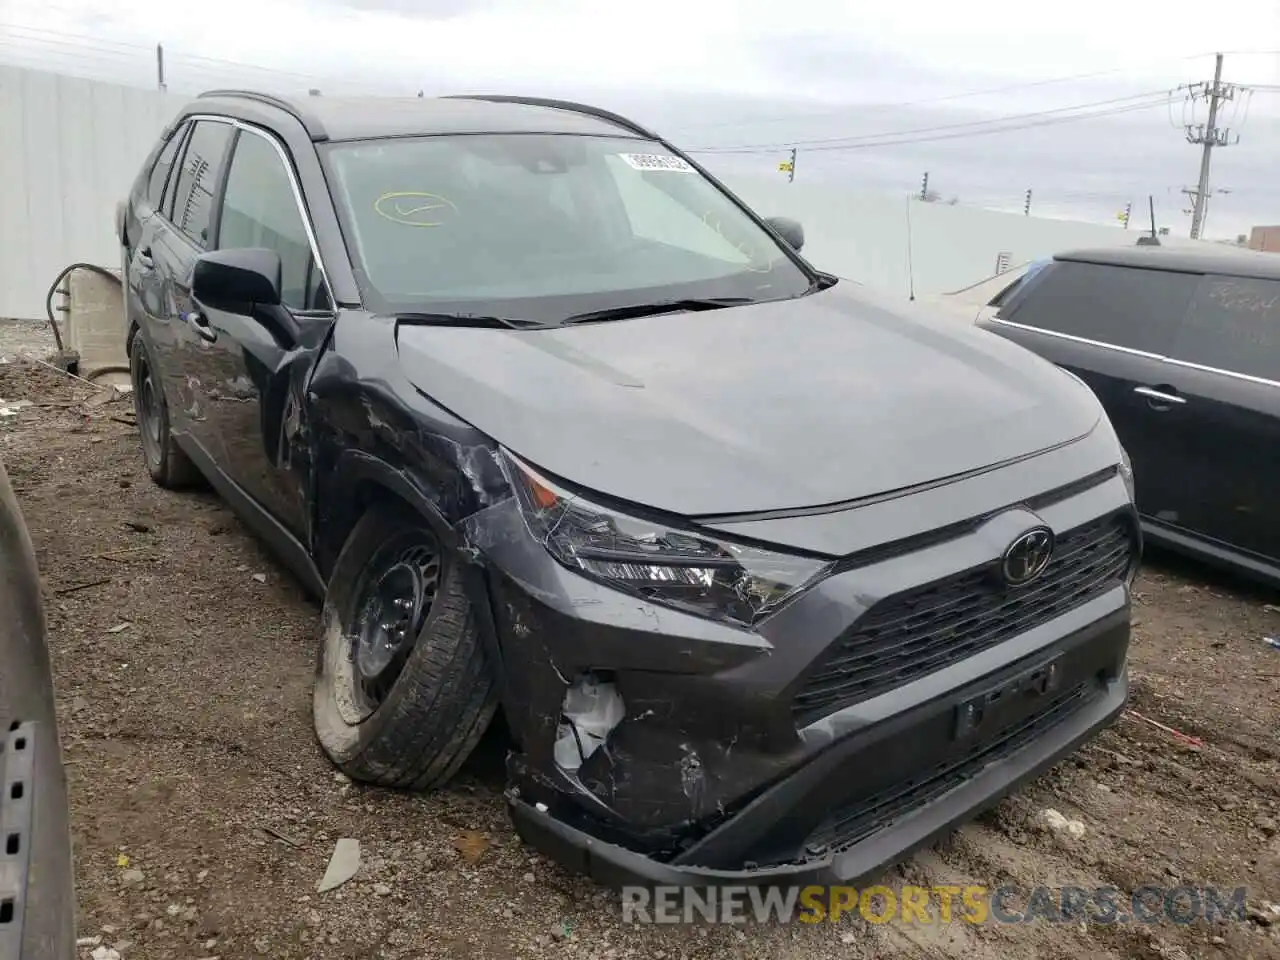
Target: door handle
200 323
144 258
1159 398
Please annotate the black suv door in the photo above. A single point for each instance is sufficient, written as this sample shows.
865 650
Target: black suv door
1113 327
1225 371
254 367
170 241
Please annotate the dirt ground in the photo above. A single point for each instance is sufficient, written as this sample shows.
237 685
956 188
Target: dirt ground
204 813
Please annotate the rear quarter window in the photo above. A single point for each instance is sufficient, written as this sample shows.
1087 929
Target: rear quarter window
1118 306
159 175
1233 324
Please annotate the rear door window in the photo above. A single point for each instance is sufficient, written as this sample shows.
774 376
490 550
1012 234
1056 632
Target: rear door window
197 180
1118 306
1233 325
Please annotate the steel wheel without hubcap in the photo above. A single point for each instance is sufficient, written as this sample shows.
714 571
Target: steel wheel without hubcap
393 599
403 691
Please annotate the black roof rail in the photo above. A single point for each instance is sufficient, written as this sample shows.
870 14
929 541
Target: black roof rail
569 105
315 129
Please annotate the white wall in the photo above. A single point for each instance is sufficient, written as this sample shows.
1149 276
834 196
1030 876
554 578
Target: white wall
69 149
863 236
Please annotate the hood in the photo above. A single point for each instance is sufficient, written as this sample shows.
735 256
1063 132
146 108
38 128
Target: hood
832 397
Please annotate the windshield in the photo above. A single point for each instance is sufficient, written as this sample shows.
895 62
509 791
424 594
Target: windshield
543 227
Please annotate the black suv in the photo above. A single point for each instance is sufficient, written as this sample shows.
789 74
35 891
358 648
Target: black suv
769 577
1182 346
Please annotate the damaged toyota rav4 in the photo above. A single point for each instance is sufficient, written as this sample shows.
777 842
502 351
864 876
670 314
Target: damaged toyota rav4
771 579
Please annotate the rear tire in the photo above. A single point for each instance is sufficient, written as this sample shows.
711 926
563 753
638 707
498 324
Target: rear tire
403 691
168 465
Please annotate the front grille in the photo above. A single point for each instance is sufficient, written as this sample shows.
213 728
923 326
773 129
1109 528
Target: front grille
912 634
861 817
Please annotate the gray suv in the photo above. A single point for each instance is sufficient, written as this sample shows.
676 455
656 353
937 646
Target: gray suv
770 578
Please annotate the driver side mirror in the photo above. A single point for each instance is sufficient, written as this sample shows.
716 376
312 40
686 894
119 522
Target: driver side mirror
231 279
790 231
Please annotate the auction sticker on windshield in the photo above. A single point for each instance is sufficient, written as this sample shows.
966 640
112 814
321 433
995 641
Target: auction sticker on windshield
656 161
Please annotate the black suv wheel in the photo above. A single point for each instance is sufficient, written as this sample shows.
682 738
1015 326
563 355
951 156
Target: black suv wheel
403 692
166 463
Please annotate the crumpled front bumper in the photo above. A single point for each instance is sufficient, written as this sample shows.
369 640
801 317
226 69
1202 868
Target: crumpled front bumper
719 772
616 866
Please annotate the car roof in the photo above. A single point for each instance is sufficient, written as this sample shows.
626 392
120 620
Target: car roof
1208 259
358 118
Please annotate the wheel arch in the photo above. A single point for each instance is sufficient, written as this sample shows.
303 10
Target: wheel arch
359 481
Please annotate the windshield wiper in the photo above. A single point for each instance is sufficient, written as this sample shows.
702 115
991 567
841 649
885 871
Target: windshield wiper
657 307
466 320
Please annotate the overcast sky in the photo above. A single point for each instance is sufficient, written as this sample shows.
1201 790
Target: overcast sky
748 73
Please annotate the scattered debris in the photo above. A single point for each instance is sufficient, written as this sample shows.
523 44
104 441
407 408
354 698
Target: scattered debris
1271 642
10 408
260 577
1187 738
471 845
137 526
119 627
105 953
88 941
282 837
77 587
343 865
1056 822
132 877
1264 914
381 890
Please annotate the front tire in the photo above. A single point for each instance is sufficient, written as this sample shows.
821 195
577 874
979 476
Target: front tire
403 691
167 464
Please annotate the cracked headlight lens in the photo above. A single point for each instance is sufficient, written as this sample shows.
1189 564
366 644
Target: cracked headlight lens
686 569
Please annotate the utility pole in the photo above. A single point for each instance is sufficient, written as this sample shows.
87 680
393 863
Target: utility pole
1026 205
924 187
160 85
1208 136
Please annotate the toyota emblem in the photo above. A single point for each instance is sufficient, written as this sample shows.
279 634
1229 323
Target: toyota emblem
1026 558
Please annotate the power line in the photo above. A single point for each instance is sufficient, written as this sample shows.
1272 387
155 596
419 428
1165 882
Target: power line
983 127
194 63
1022 85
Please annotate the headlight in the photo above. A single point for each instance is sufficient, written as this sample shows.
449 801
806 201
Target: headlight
1126 473
686 569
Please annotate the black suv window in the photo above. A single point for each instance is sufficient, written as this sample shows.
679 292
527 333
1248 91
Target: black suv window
164 163
198 178
1120 306
259 210
1233 324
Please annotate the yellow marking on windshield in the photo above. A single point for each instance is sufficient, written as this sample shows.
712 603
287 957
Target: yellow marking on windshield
414 208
